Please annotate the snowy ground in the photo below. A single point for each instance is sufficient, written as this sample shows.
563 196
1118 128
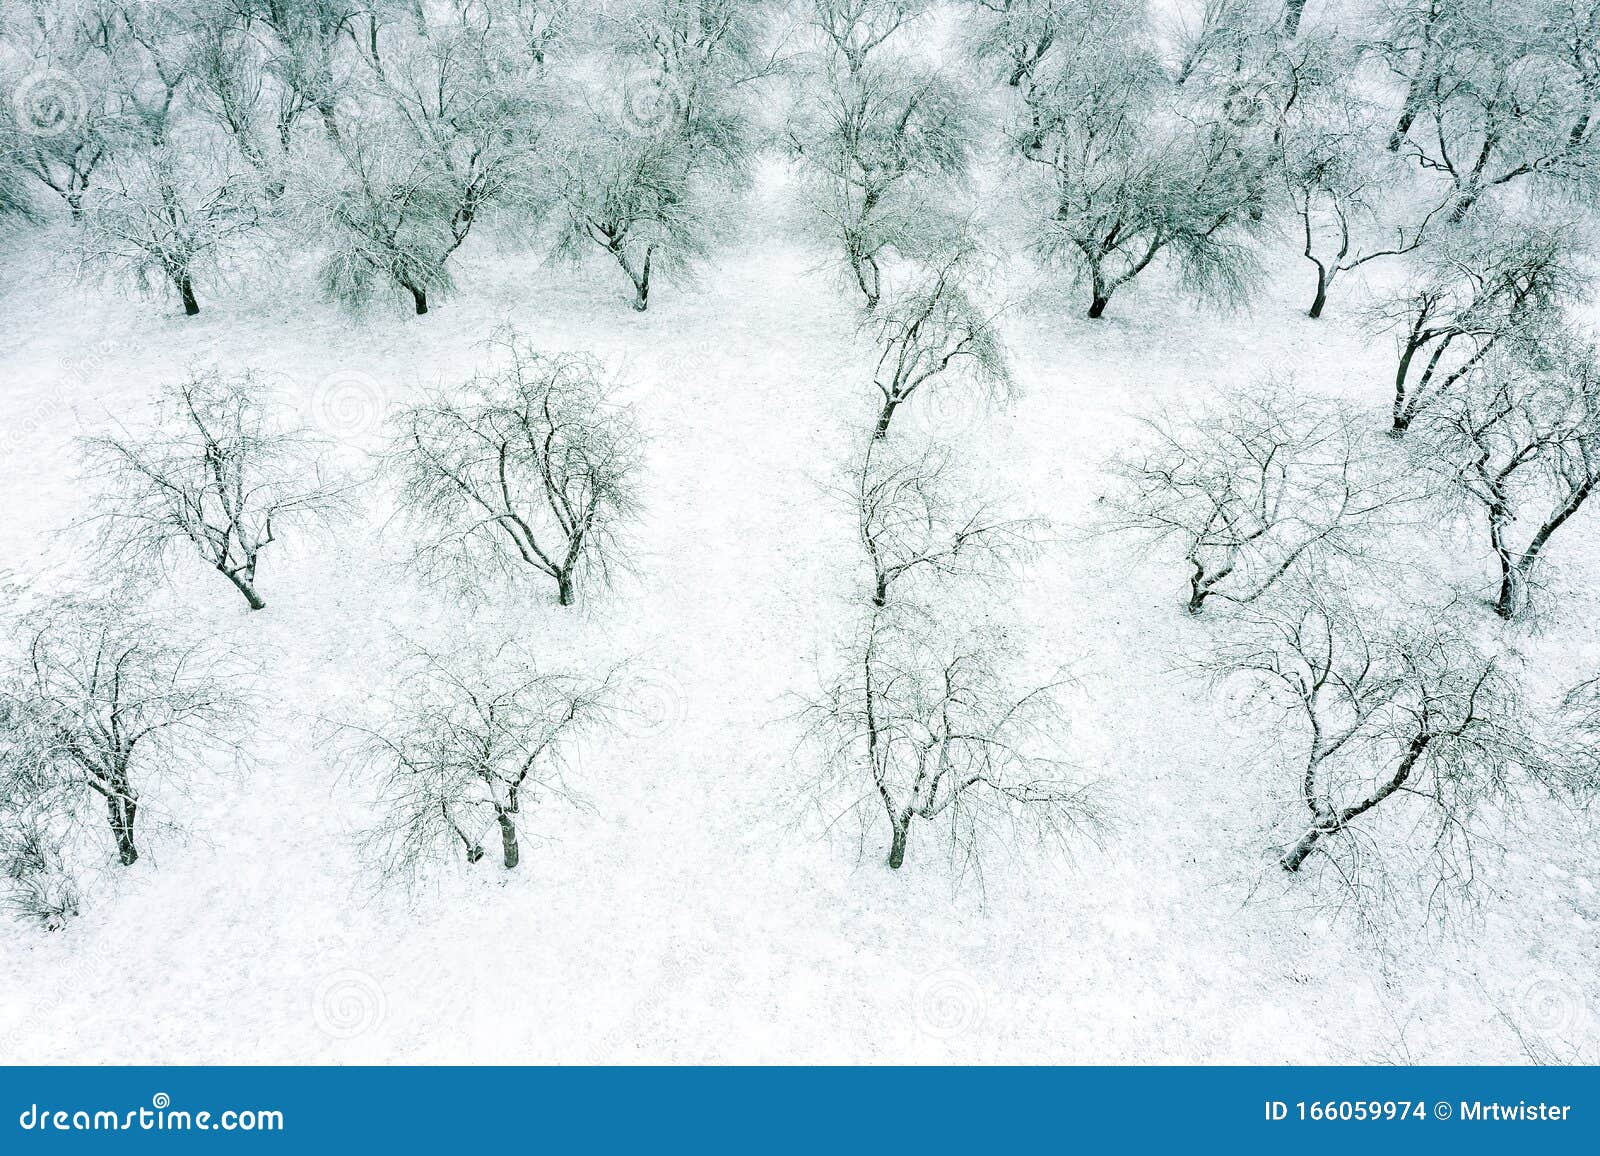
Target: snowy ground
685 916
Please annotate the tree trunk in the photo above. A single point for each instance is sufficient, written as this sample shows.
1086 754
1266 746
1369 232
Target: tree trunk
1408 115
1402 416
1321 298
867 276
1505 603
641 286
1199 589
1293 10
1515 578
120 810
881 430
564 589
508 839
246 587
1300 851
1098 306
186 293
897 846
419 298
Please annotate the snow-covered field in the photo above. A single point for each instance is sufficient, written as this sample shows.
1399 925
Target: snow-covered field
693 911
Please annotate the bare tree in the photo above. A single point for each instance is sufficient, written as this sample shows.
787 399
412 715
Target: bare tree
461 114
110 705
1355 205
1413 39
37 883
1125 178
1497 283
642 160
1388 714
386 217
151 49
640 198
216 472
1491 100
468 745
164 217
1018 36
927 723
230 85
527 469
17 209
1255 489
308 50
63 118
1520 442
933 335
881 136
1580 714
913 521
1240 65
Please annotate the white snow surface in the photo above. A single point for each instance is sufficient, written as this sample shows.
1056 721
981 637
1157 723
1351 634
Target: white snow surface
693 912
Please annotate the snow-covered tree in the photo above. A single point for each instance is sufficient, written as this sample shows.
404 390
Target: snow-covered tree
1355 202
916 520
933 335
1389 713
936 725
1254 489
217 472
231 87
307 49
1496 95
1014 37
882 137
386 219
527 469
108 705
1519 442
1496 283
165 218
468 745
452 117
62 118
651 151
1123 177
